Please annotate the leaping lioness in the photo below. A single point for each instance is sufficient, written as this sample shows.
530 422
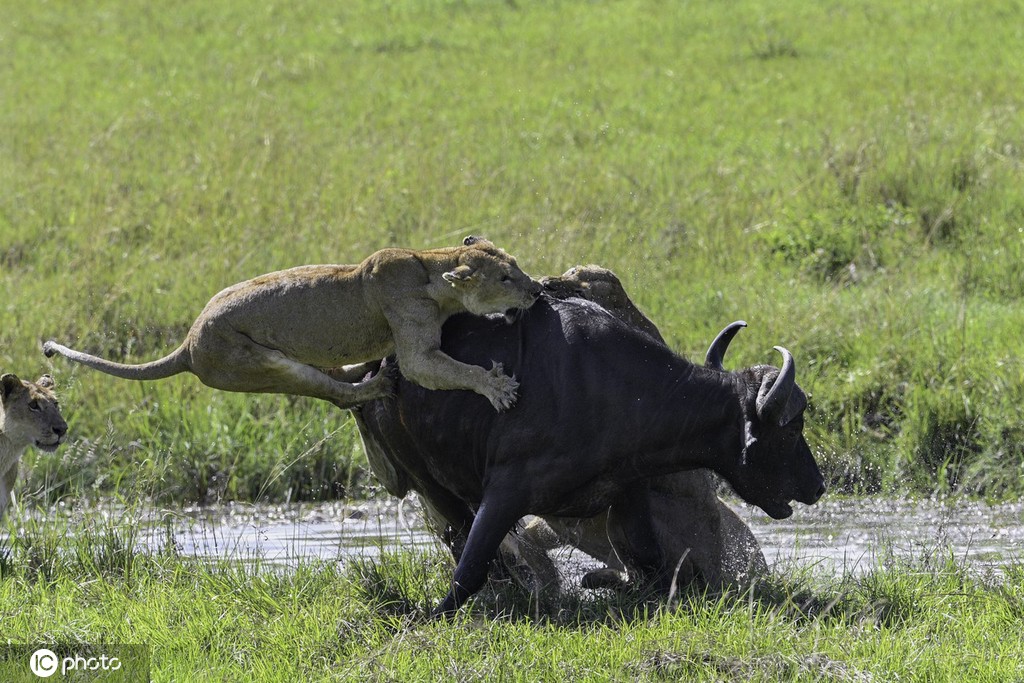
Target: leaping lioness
277 332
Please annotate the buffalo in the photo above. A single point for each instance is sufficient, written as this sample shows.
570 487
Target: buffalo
682 531
603 407
687 534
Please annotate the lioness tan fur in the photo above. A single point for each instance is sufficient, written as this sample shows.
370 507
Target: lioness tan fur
30 416
278 332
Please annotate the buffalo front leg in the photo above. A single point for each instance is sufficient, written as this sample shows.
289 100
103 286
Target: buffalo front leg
494 519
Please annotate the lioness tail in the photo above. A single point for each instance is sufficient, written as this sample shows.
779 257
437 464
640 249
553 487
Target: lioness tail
171 364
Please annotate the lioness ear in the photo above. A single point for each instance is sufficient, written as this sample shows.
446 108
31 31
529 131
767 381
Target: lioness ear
9 384
460 275
46 381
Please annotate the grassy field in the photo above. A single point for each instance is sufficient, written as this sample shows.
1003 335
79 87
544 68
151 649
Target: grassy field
928 619
844 176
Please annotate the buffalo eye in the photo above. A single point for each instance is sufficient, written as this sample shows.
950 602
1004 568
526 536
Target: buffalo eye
33 405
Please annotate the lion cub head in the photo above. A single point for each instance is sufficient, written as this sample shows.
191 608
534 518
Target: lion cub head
488 280
31 415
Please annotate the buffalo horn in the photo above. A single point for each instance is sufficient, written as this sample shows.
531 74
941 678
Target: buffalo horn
771 402
716 352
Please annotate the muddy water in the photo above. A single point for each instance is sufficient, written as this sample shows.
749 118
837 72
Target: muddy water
835 536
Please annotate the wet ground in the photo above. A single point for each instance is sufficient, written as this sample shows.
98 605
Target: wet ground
838 536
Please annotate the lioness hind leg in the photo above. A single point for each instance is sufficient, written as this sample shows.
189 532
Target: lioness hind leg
354 373
305 380
254 368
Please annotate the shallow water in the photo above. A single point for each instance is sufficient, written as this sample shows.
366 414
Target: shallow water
856 535
290 534
841 536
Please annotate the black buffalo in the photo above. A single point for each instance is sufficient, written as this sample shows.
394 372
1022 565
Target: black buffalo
601 407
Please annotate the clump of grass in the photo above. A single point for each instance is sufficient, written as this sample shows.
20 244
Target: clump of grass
773 45
38 550
402 584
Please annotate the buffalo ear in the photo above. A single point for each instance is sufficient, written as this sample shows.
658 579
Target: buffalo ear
46 381
749 441
9 384
461 275
796 405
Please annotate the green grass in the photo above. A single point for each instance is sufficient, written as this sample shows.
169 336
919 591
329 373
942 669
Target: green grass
82 582
845 176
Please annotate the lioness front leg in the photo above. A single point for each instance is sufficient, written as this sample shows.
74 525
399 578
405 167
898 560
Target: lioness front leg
436 370
7 482
433 369
350 373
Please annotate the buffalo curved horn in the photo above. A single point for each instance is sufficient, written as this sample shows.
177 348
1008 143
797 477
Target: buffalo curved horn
771 401
716 352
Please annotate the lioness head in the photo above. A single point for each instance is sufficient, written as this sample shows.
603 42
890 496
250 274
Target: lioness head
488 280
31 415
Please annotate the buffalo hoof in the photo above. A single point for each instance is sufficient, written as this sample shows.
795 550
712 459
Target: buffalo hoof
608 578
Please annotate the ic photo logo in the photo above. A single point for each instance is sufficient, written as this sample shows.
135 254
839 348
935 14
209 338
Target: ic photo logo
44 663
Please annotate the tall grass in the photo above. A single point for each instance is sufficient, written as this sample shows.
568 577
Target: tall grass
846 177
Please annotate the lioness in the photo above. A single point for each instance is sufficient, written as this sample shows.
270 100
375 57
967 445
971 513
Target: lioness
30 417
277 332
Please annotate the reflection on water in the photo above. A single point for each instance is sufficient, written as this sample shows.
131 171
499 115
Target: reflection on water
837 536
290 534
855 535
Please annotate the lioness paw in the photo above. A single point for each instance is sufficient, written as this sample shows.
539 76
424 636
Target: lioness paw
504 388
384 380
389 368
